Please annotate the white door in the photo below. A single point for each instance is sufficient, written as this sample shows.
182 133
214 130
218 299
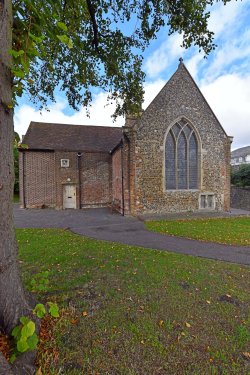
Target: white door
69 196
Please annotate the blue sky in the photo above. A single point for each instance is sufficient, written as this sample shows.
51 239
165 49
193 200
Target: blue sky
224 77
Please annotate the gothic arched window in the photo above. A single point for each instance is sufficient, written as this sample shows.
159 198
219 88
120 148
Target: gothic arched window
181 157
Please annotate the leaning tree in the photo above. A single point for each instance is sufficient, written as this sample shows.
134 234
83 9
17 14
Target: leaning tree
76 46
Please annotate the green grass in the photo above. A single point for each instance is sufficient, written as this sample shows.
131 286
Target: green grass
16 198
129 310
233 231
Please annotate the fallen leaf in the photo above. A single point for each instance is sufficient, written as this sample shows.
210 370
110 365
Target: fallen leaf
74 321
142 342
84 313
246 355
188 325
39 371
161 322
208 302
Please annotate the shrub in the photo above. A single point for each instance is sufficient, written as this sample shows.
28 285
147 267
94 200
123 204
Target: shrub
242 176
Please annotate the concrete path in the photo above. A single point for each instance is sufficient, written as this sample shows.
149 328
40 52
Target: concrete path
101 224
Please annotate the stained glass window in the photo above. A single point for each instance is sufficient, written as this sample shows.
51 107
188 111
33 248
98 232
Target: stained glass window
181 157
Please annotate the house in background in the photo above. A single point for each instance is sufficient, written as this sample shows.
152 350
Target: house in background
173 157
240 156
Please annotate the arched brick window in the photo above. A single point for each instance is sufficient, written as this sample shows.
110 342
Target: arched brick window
181 157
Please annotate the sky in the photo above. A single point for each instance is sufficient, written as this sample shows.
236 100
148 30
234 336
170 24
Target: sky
223 78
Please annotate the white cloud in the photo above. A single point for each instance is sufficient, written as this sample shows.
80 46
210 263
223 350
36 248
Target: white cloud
224 78
161 58
151 90
100 114
194 63
229 97
222 17
230 56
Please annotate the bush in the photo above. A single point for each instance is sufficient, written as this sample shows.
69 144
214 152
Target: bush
242 176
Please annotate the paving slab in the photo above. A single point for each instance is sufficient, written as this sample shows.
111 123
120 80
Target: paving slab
102 224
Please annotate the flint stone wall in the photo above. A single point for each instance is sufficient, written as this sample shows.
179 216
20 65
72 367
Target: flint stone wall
240 197
179 99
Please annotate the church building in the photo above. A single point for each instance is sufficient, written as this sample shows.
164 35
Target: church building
173 157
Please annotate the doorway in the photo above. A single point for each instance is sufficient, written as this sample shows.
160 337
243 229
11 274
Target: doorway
69 196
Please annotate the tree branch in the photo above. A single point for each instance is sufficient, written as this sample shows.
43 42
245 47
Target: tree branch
91 10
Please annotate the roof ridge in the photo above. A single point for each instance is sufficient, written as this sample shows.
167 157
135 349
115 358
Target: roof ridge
64 124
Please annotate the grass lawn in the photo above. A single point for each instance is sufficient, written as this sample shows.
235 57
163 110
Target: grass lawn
16 198
128 310
233 231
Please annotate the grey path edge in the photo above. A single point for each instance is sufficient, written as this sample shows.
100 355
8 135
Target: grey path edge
101 224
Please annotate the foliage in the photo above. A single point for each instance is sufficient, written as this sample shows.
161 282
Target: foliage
53 309
16 162
232 231
86 44
39 282
25 333
241 177
25 337
130 310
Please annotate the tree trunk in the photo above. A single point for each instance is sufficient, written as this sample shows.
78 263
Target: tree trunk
13 301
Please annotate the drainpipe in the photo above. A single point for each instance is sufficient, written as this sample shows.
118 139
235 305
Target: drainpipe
79 155
24 200
122 177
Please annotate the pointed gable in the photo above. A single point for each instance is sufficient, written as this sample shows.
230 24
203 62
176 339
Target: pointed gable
180 97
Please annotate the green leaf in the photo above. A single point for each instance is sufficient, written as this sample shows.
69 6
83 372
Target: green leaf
32 341
16 331
37 39
53 310
24 320
39 310
22 345
62 26
65 40
70 43
28 329
13 358
18 73
16 54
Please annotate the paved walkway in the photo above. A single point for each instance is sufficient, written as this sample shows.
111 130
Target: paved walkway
103 225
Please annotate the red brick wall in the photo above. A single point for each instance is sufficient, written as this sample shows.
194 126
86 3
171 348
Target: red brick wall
66 175
45 178
38 179
121 180
117 180
96 181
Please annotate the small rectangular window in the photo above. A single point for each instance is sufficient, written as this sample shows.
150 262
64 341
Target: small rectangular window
207 201
65 163
203 201
210 201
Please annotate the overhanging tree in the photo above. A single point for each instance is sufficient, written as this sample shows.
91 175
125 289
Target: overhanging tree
76 46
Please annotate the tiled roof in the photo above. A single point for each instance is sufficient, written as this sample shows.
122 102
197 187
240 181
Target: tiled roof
49 136
241 152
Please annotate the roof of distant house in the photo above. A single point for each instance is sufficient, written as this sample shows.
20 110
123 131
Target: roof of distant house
241 152
50 136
